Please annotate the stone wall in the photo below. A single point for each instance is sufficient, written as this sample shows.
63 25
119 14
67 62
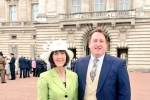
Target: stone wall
135 37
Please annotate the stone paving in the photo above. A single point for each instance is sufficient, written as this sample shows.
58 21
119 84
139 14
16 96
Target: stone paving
25 88
19 89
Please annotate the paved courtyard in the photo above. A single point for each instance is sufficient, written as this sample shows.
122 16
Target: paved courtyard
25 89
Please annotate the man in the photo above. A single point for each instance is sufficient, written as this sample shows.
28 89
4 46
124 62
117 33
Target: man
30 65
73 62
101 76
2 68
38 67
22 67
27 63
12 66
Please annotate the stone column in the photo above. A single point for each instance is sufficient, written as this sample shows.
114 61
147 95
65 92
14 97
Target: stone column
147 3
51 7
85 5
42 11
42 7
137 4
146 8
23 10
2 11
110 5
61 8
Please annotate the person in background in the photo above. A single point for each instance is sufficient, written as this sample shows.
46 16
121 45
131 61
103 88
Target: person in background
22 67
31 66
16 66
12 66
27 62
73 62
38 67
48 66
34 67
44 66
7 67
2 67
58 83
101 76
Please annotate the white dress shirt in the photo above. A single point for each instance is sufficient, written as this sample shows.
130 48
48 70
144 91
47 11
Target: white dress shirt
98 64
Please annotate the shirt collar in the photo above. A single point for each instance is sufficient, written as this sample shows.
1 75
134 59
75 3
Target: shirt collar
99 59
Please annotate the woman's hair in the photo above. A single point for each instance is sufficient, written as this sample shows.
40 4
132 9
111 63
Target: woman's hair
52 61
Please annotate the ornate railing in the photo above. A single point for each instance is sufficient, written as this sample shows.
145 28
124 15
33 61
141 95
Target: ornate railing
99 15
17 23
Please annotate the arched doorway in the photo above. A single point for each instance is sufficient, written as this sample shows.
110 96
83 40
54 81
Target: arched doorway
123 53
74 51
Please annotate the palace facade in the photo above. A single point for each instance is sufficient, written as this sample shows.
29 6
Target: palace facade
25 25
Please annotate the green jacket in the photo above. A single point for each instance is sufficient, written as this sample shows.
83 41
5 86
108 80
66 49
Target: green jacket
50 86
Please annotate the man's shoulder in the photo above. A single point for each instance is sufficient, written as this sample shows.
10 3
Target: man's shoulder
114 58
84 58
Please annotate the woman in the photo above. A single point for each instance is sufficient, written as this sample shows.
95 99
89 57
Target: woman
16 65
58 83
7 67
34 66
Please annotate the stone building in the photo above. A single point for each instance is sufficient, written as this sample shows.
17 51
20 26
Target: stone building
25 25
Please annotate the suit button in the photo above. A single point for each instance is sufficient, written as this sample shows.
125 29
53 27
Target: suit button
66 96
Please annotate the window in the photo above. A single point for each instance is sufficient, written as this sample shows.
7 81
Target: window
34 37
14 37
123 4
13 13
15 50
99 5
34 52
34 11
75 6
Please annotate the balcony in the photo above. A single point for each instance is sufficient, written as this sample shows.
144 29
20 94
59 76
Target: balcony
17 23
104 15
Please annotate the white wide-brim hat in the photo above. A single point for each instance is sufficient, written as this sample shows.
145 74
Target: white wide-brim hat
55 46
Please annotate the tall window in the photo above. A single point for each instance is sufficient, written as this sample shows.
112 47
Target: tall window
34 11
99 5
34 37
123 4
13 13
34 52
14 37
15 50
75 6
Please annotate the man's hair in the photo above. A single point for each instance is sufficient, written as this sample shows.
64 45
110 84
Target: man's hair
52 61
98 29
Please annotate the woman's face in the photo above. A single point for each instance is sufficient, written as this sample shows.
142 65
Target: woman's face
59 58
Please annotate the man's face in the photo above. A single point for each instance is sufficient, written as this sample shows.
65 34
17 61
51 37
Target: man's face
97 44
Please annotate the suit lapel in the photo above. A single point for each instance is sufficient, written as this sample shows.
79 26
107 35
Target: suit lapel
104 71
84 67
57 80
